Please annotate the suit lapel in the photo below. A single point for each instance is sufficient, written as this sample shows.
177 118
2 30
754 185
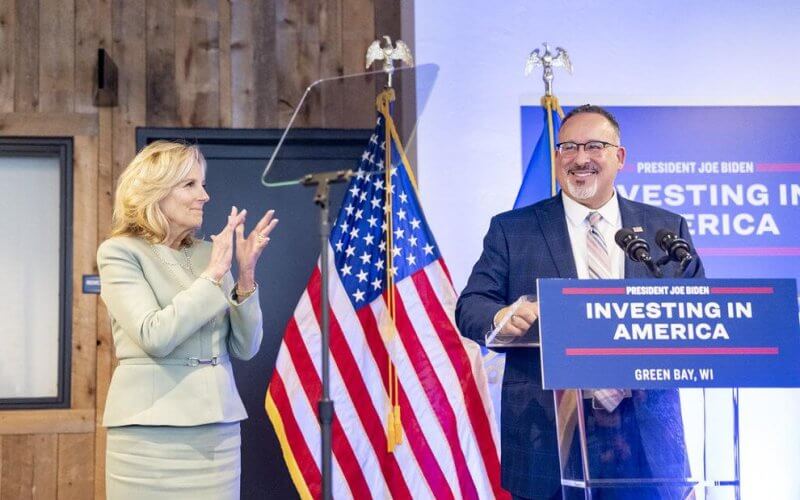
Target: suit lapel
632 217
553 223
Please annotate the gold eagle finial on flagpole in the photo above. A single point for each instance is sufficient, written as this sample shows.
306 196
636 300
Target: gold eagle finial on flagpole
389 53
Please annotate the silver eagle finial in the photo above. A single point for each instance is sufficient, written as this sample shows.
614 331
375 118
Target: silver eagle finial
388 54
548 61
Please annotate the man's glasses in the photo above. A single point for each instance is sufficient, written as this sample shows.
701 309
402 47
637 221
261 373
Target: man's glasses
592 148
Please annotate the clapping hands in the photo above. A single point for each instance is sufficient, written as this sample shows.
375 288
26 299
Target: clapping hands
248 249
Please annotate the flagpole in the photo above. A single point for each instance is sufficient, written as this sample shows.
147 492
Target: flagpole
547 104
550 104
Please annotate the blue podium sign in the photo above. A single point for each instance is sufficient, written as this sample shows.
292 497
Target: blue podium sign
659 334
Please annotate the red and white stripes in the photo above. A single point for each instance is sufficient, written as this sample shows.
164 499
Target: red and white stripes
450 443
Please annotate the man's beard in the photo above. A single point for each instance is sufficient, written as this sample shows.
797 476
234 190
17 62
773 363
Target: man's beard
587 189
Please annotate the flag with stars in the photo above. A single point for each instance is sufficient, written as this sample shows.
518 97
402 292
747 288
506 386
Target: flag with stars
449 445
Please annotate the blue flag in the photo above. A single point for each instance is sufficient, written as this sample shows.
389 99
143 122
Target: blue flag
536 181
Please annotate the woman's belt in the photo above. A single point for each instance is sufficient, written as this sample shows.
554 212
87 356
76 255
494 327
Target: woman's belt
213 361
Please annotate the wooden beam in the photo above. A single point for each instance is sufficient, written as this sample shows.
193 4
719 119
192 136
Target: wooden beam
104 351
48 124
46 421
84 249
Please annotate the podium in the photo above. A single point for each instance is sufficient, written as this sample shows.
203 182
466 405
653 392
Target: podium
646 375
655 444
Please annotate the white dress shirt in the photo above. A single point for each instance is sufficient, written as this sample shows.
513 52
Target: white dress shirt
578 226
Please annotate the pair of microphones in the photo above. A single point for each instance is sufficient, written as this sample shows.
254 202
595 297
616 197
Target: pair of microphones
638 250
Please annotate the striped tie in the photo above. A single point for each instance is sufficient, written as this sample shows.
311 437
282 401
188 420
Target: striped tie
598 264
597 260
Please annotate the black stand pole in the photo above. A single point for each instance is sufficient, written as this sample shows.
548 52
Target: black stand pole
323 181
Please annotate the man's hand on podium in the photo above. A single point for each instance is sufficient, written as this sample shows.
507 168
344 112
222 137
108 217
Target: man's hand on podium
516 319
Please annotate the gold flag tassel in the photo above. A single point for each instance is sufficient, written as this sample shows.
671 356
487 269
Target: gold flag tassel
394 426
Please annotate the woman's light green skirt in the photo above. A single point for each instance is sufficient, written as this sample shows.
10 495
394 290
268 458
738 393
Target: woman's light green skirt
153 462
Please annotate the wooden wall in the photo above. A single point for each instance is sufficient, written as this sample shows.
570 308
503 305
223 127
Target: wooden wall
182 63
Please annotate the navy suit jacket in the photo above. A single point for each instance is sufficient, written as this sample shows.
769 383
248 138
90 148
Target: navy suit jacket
521 246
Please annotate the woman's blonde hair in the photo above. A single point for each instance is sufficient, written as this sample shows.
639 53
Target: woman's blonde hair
146 181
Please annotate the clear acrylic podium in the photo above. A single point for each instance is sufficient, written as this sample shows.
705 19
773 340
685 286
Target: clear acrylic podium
669 444
664 444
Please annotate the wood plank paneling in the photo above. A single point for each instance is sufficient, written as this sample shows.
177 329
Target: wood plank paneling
265 65
7 42
45 456
29 467
92 31
358 31
194 63
162 92
243 20
197 62
225 98
330 61
84 334
48 124
128 21
56 55
387 22
288 41
308 63
104 352
26 56
75 466
17 479
46 421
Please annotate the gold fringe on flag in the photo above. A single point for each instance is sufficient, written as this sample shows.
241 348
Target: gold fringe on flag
394 427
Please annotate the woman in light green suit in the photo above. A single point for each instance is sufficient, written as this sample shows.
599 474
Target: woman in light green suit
177 316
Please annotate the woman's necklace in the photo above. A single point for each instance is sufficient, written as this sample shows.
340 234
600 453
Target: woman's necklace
171 265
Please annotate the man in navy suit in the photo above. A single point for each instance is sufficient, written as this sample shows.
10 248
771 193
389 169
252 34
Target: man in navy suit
642 435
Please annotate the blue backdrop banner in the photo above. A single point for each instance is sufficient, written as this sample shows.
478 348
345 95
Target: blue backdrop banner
657 334
733 172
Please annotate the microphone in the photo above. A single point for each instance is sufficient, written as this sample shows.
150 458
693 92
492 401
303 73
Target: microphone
677 248
636 249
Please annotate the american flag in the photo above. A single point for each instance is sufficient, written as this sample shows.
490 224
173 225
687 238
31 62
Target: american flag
449 445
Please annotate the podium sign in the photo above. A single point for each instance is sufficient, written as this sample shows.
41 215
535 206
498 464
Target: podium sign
659 334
